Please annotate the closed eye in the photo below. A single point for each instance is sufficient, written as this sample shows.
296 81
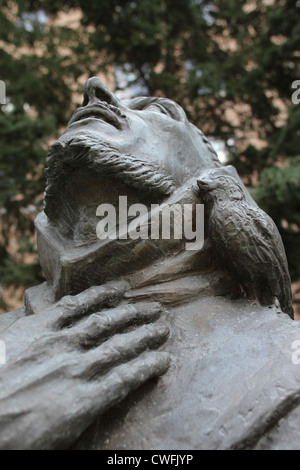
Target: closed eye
158 107
162 105
169 108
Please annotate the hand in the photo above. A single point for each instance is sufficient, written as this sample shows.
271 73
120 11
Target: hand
67 365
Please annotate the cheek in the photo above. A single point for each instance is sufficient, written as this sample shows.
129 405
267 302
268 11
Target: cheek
137 137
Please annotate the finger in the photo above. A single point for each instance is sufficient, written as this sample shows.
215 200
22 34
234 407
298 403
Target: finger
117 384
120 349
100 326
71 308
90 399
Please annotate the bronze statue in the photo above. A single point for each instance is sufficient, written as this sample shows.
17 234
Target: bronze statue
137 343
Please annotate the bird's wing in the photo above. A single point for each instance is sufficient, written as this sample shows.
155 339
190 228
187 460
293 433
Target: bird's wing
267 232
236 238
249 244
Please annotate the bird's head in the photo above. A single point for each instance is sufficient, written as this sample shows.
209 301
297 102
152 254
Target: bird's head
220 187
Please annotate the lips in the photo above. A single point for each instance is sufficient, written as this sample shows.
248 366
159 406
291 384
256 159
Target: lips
101 111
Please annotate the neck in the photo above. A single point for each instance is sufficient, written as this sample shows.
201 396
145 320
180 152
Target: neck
70 269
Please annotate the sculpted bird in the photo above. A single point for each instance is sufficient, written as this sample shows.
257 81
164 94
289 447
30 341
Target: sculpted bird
247 242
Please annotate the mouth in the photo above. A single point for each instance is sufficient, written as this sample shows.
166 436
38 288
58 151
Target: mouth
102 112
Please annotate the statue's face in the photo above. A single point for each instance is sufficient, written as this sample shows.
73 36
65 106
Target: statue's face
152 129
144 149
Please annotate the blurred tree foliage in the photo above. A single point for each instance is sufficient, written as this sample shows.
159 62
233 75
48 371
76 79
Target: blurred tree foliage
279 194
214 57
37 71
229 64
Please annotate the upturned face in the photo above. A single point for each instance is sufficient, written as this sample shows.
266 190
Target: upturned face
153 130
144 149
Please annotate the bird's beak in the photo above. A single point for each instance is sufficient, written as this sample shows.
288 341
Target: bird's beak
203 184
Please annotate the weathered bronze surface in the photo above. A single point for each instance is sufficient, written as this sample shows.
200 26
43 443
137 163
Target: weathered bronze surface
143 344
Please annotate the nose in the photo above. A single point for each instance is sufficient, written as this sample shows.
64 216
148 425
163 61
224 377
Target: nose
95 90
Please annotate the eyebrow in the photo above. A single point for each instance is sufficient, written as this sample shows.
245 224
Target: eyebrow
171 108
